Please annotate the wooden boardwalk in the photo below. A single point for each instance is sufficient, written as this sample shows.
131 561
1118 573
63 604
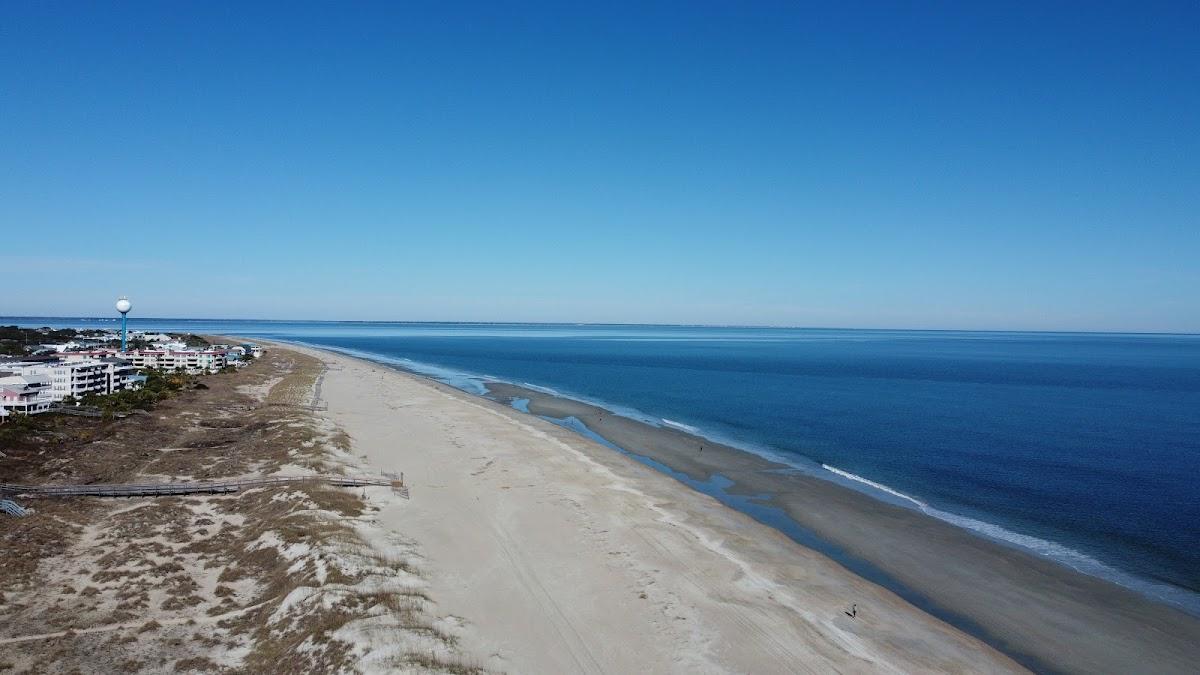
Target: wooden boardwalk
195 487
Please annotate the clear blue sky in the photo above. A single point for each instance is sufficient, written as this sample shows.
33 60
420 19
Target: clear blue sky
937 165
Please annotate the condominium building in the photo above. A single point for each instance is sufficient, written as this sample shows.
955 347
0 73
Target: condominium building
34 384
32 387
118 373
77 379
194 362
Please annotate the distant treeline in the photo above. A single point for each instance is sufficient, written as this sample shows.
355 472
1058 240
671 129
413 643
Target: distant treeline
14 340
17 341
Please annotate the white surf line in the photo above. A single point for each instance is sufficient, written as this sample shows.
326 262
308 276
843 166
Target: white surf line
878 486
1048 549
681 426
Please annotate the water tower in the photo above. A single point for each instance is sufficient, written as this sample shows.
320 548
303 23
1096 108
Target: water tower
123 306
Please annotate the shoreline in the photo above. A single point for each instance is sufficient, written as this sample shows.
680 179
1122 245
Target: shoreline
1044 615
1027 606
552 553
1163 593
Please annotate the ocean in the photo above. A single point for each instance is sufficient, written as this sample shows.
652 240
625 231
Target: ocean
1080 447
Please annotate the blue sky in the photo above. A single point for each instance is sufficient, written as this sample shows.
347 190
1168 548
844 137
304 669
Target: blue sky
923 165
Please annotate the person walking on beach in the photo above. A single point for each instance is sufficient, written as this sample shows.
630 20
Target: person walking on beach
853 613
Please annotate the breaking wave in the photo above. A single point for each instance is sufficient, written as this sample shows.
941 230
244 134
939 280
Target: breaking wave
681 426
1044 548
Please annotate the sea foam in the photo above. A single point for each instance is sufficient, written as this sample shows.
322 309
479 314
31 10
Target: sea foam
1055 551
538 387
679 425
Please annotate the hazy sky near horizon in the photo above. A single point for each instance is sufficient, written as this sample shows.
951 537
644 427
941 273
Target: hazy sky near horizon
929 165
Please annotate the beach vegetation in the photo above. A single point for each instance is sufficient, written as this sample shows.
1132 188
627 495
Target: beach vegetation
159 385
17 425
11 348
194 341
17 341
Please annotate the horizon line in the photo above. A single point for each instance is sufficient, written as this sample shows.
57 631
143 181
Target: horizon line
629 324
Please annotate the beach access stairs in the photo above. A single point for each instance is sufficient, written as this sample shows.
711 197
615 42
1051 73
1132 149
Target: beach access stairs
13 509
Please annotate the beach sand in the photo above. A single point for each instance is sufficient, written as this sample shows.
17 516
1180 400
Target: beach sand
550 553
1045 615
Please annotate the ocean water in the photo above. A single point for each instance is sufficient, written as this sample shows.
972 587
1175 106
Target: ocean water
1080 447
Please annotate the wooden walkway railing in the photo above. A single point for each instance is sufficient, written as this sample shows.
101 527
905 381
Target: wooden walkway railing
194 487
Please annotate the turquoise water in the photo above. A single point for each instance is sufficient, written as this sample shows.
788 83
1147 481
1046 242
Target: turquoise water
1080 447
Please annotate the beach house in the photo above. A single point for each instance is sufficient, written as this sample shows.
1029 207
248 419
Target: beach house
23 394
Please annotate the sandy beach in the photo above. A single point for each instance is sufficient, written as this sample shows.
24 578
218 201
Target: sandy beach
552 553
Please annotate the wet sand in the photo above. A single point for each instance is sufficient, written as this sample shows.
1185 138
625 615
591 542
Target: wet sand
1042 614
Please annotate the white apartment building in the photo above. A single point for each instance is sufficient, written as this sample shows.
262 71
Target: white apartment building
119 374
31 387
193 362
23 394
77 379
